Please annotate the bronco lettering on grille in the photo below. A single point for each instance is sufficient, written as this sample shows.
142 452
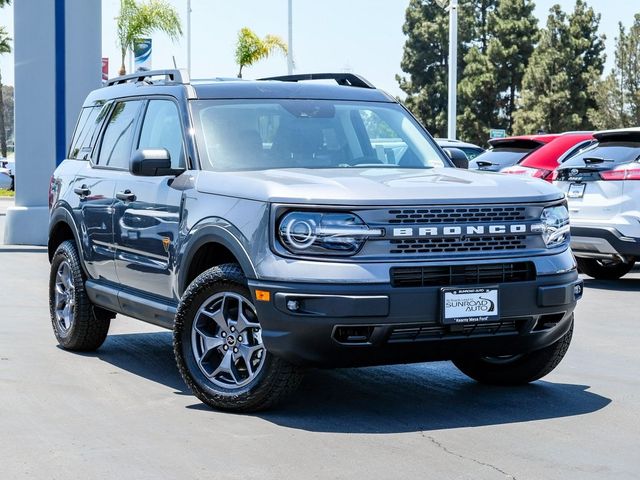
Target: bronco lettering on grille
456 231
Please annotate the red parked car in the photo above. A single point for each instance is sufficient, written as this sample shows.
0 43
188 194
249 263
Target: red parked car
541 162
505 152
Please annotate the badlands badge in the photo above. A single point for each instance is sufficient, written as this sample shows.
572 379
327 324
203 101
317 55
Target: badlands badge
166 242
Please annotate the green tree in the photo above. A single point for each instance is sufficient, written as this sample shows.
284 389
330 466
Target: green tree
618 95
494 68
251 48
558 83
425 59
5 47
515 30
140 20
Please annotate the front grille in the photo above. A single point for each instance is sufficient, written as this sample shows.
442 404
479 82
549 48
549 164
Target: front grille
453 245
412 333
457 215
455 275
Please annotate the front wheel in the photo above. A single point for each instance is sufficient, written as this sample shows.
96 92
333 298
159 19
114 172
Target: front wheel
604 270
218 345
516 369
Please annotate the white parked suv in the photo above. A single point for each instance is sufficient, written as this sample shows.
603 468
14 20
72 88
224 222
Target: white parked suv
602 185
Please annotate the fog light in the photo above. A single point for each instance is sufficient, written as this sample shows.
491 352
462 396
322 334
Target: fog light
293 305
577 290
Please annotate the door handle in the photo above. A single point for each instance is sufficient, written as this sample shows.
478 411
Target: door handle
126 196
82 191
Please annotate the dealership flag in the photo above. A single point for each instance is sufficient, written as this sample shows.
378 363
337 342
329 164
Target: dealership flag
142 54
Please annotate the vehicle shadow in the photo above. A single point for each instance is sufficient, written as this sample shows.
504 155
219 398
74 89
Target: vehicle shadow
391 399
621 285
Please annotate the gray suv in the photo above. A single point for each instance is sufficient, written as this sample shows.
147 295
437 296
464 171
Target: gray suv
281 223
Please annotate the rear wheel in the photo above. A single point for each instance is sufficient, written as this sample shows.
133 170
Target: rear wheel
77 323
516 369
218 346
604 269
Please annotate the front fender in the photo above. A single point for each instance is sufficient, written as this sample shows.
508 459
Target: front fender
212 230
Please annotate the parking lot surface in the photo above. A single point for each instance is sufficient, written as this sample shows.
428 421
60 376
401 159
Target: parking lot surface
123 411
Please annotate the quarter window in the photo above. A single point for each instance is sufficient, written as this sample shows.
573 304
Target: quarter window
118 135
90 119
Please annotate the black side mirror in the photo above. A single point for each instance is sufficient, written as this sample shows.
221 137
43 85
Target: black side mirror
458 157
152 162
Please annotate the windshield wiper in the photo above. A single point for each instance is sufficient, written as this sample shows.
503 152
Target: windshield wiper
596 160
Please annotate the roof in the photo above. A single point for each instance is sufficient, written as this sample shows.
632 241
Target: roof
524 139
447 142
177 84
621 133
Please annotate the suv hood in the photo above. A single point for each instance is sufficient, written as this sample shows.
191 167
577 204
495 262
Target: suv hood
376 186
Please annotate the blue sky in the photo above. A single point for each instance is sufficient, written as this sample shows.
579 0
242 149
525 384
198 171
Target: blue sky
363 36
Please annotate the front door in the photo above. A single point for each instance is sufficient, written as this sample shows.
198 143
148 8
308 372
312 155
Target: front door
148 209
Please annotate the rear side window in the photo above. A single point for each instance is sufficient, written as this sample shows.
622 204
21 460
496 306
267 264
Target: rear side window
90 119
162 129
117 140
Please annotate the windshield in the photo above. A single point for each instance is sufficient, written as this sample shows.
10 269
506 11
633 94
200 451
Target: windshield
615 152
265 134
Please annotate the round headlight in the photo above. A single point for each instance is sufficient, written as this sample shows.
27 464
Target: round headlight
555 225
322 233
300 233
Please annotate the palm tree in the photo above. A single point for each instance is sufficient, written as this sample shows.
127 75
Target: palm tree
251 48
5 47
140 20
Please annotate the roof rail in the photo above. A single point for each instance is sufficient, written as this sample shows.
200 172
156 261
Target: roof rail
346 79
175 76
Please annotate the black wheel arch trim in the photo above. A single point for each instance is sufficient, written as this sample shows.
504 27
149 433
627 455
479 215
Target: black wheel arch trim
212 230
61 213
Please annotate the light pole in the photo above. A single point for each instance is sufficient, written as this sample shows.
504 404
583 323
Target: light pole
290 40
453 64
189 36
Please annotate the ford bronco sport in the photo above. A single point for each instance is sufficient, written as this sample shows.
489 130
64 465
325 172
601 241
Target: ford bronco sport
279 224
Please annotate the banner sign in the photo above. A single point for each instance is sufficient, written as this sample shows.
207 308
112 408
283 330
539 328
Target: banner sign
142 54
105 69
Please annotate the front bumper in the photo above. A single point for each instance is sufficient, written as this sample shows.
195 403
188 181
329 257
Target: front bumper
602 241
339 325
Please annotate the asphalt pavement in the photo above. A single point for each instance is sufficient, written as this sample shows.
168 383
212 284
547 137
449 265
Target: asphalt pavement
123 411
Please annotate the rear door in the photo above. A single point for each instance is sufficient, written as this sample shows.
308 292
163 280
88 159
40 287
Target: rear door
594 180
95 186
147 209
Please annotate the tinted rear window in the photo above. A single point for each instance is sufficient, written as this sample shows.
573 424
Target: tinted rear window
500 157
607 152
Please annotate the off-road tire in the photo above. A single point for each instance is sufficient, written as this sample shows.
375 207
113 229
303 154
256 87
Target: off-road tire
522 369
90 323
276 380
604 271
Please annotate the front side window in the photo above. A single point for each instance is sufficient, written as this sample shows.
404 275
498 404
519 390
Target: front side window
162 129
115 150
266 134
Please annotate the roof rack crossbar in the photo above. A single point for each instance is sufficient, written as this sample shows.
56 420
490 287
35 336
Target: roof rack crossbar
175 75
346 79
